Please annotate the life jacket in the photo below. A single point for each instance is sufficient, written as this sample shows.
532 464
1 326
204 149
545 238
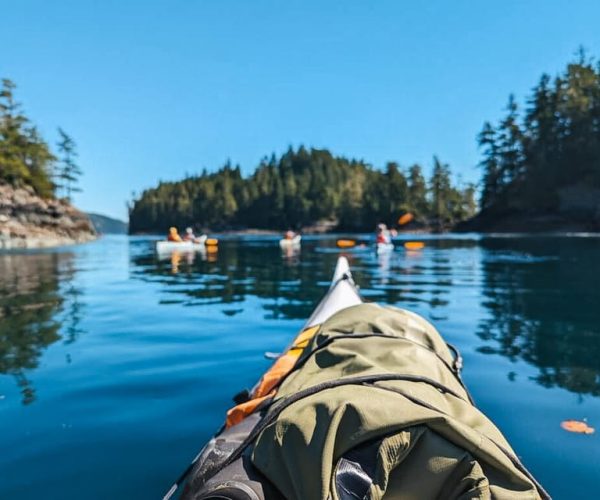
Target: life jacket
369 405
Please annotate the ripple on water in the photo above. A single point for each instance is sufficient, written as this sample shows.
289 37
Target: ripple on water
110 356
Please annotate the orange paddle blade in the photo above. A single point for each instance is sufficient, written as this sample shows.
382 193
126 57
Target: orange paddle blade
414 245
211 242
405 219
345 243
577 426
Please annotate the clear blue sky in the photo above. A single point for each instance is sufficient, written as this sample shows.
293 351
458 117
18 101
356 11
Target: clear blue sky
154 89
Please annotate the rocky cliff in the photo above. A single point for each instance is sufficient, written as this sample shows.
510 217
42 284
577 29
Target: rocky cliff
28 221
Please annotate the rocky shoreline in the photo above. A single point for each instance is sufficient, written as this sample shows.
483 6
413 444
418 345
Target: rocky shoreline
28 221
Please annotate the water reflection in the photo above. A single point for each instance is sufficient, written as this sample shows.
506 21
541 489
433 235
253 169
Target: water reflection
37 298
542 299
539 294
238 270
290 283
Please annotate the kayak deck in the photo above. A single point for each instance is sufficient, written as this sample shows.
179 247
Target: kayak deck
342 293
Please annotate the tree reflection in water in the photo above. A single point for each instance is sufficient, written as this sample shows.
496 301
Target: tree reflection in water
37 298
290 284
542 298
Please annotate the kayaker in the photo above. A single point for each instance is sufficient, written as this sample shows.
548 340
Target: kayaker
173 235
383 234
189 235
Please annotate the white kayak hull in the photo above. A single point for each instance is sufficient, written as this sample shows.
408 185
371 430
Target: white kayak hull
181 246
384 247
342 293
292 243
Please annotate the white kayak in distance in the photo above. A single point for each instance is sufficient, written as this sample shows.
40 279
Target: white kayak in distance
290 243
198 245
384 247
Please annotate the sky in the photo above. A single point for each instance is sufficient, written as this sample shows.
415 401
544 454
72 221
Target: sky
155 90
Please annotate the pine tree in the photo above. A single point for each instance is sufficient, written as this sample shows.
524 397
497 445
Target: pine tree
299 188
492 179
510 144
440 189
25 158
529 163
417 192
68 171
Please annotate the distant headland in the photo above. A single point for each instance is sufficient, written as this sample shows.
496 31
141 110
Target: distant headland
30 221
36 183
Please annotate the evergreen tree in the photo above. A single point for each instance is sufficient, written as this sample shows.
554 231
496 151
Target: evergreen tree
510 144
492 179
25 158
68 172
417 192
297 189
441 194
528 162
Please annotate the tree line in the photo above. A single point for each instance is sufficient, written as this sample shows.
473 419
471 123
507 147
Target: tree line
26 159
532 154
303 187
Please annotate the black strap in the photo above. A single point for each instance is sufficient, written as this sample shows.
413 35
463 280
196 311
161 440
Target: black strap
277 406
455 370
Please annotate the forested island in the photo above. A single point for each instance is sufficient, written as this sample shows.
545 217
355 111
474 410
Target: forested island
36 183
541 165
302 189
540 171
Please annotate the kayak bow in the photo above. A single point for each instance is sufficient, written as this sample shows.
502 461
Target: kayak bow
342 293
363 393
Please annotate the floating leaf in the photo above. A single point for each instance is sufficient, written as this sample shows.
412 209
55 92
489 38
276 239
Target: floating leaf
577 426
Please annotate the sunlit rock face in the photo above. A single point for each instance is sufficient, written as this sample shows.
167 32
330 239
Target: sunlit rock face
28 221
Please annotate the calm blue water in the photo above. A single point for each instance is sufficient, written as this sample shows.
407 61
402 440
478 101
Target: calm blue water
116 367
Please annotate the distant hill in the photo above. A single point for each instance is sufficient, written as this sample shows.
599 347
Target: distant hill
108 225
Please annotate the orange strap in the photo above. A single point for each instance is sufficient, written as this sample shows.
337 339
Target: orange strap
238 413
266 386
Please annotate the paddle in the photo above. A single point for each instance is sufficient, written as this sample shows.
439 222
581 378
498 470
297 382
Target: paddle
414 245
348 243
405 219
410 245
345 243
